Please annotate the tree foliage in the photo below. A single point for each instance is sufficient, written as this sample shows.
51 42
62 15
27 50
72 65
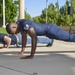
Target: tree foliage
57 15
10 10
27 16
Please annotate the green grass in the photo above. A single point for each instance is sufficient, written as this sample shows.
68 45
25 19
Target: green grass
3 30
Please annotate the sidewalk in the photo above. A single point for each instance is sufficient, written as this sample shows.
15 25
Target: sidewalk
56 60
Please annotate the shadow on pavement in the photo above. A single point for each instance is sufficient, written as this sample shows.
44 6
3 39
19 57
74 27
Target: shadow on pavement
38 52
51 64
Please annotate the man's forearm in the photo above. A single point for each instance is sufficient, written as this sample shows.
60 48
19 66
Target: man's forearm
24 40
34 44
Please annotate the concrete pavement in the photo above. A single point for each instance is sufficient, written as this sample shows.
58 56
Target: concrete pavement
56 60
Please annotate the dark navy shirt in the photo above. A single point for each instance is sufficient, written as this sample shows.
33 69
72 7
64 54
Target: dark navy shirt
2 38
13 38
25 25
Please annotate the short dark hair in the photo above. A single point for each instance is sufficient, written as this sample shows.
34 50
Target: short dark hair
8 29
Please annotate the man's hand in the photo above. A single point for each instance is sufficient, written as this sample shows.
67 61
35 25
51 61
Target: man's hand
8 41
20 53
4 48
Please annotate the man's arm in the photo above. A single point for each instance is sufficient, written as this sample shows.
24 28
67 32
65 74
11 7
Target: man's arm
7 40
24 40
33 36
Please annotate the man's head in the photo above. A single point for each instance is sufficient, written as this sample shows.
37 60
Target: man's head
12 28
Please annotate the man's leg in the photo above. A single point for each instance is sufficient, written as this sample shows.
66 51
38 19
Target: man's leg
42 40
50 43
57 33
45 40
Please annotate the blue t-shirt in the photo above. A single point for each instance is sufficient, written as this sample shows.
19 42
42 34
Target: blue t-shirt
2 38
13 38
25 25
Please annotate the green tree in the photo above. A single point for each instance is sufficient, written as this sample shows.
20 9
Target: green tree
37 19
50 14
43 16
57 15
27 16
1 8
73 16
64 18
10 10
53 14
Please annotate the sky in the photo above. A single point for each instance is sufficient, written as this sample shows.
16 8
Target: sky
35 7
